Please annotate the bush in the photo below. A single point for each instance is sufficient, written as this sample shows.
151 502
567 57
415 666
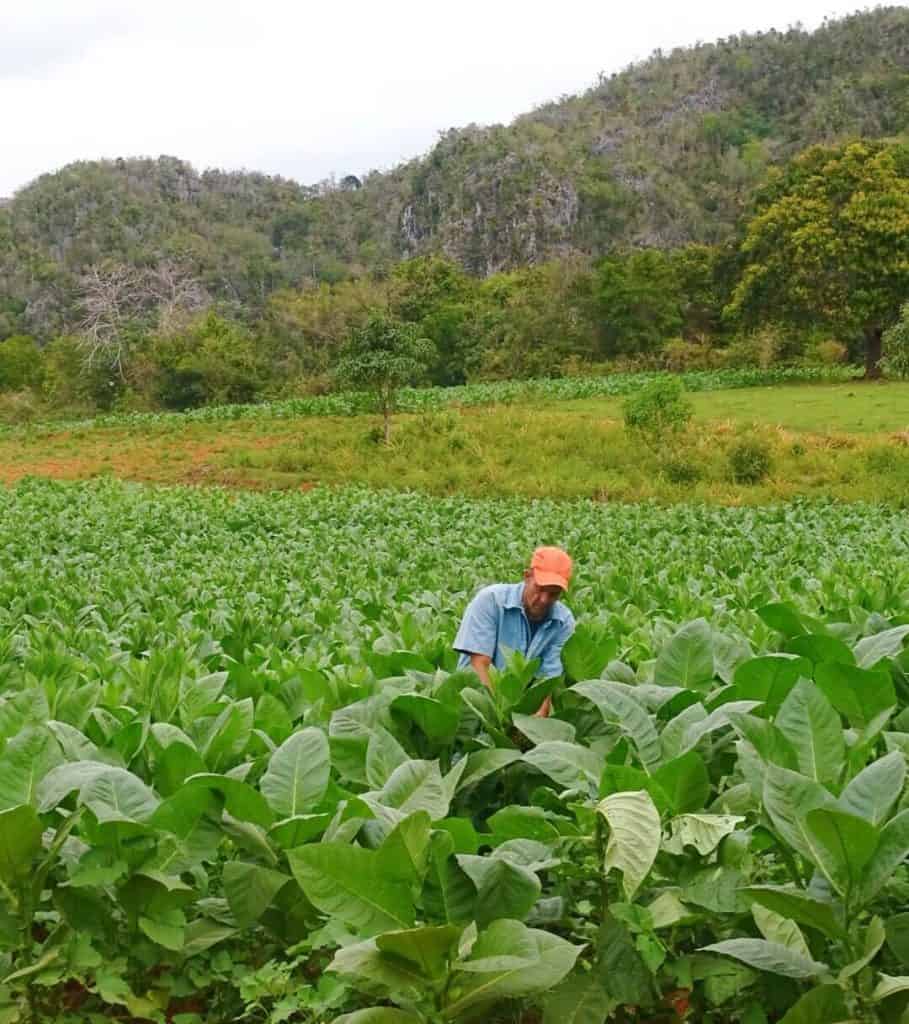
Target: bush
21 363
896 346
680 469
681 356
750 460
830 352
659 413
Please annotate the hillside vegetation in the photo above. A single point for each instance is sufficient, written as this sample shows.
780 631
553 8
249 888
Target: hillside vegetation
651 222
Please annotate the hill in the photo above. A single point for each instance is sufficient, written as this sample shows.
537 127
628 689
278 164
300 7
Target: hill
664 153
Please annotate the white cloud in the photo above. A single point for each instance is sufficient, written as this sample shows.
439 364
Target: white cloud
304 88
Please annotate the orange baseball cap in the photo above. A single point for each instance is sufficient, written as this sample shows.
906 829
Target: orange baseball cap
551 567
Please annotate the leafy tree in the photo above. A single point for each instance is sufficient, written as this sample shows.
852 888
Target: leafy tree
435 293
640 302
382 357
829 244
212 360
20 363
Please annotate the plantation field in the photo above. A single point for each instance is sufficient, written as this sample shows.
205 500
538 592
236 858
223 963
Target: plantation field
241 780
828 440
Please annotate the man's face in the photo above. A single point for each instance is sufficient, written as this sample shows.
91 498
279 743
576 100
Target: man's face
538 601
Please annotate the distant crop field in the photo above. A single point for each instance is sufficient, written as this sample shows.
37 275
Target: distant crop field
241 778
844 441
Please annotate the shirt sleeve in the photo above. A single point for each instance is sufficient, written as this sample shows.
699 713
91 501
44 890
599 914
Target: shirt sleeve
477 633
552 656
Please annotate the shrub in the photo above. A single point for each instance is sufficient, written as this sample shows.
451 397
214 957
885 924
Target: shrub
750 460
659 413
896 346
681 356
680 469
830 352
21 363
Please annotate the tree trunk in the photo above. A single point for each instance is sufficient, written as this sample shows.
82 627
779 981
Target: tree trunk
386 412
874 348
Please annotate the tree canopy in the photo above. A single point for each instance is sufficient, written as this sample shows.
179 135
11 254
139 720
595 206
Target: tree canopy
830 243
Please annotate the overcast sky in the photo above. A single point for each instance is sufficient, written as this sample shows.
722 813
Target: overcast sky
305 88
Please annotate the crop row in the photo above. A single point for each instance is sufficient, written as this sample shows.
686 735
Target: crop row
423 399
240 778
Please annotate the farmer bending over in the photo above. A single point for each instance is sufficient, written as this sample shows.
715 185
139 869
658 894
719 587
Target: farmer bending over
526 617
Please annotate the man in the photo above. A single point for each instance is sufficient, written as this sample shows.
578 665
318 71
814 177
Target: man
526 617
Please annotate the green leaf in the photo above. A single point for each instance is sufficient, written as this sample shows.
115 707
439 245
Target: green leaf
783 617
620 966
873 649
364 961
769 678
118 795
515 822
817 647
240 799
587 652
888 985
874 936
873 793
857 693
378 1015
580 999
770 744
250 889
795 904
299 830
768 956
788 797
634 837
416 786
27 759
542 730
568 764
892 850
383 755
841 846
20 842
685 781
483 763
623 711
821 1005
167 928
702 831
429 948
297 774
554 960
406 848
438 721
776 928
504 889
897 927
354 885
448 893
686 660
807 719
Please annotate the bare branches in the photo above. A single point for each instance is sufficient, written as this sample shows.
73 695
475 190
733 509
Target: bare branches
120 303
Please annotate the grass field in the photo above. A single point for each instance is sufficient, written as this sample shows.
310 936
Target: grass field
842 441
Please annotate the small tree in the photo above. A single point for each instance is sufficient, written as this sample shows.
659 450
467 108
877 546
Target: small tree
658 413
896 346
382 357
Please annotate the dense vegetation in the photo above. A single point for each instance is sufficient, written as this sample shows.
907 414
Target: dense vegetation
623 224
240 780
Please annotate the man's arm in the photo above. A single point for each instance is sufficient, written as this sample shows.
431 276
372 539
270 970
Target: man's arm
478 634
552 662
480 664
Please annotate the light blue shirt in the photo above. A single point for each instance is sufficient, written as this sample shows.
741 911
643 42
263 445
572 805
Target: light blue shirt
495 619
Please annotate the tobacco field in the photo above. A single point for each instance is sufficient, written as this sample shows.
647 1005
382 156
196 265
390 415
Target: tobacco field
241 778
